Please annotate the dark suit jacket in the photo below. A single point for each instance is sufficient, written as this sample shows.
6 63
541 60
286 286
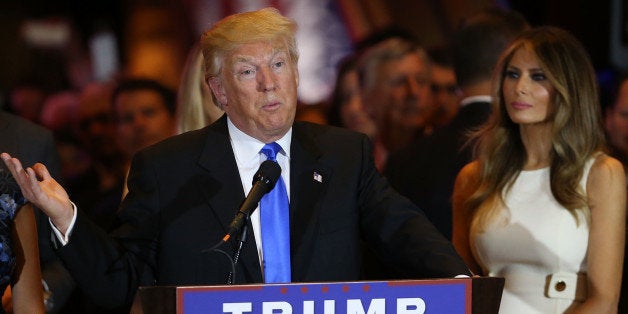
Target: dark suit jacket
185 191
29 142
426 171
32 143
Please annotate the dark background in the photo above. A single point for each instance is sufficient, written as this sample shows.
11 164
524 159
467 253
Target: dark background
431 21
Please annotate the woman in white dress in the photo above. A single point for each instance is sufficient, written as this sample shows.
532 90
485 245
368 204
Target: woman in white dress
542 205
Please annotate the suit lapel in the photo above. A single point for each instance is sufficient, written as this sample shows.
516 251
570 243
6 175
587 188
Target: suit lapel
223 190
308 183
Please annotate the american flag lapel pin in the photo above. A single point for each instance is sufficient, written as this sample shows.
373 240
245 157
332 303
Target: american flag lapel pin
318 177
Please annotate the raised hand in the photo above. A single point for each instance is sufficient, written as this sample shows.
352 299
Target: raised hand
39 188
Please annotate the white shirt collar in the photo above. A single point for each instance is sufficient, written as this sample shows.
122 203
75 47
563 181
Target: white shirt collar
478 98
246 146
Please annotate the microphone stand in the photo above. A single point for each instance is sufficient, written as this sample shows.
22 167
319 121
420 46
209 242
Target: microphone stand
233 261
236 255
216 248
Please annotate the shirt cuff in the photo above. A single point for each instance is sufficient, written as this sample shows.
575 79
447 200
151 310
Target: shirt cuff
65 239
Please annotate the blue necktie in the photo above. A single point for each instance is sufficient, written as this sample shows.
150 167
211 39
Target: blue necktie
275 223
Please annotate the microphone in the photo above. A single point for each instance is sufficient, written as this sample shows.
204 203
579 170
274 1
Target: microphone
263 181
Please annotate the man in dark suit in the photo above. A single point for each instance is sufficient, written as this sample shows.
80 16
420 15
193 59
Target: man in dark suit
426 170
32 143
184 191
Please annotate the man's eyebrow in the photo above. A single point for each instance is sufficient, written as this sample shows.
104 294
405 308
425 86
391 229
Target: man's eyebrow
249 59
240 58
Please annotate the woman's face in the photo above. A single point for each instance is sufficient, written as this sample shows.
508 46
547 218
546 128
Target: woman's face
526 90
352 112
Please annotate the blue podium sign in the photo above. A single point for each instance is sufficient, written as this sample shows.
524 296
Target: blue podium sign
449 296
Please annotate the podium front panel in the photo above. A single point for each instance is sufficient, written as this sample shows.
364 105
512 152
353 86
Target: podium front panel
449 296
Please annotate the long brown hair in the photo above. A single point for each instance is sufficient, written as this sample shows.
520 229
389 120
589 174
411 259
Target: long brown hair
576 133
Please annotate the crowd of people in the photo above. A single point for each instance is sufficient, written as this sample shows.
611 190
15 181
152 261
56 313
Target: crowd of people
489 156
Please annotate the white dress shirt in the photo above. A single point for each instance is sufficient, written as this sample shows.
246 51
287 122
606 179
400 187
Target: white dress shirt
248 158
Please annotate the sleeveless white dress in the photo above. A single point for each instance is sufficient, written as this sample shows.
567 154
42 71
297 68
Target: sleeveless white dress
537 246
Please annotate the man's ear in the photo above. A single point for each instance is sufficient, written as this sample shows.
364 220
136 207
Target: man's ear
219 92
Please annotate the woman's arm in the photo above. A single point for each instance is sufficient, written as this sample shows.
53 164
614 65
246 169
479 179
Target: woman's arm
27 289
463 189
606 193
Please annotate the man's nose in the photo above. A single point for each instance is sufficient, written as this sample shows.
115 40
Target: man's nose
413 85
266 79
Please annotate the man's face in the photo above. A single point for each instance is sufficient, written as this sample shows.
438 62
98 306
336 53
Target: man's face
445 92
142 118
96 128
617 120
402 96
257 87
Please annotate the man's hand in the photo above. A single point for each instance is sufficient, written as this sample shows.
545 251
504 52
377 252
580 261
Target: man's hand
43 191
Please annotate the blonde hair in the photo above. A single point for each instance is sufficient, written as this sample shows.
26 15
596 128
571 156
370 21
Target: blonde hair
195 107
577 133
262 25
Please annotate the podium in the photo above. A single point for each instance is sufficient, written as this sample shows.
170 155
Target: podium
478 295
